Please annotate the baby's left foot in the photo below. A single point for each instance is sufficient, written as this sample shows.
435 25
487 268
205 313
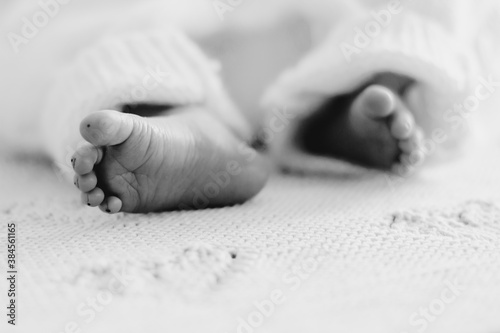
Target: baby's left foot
373 128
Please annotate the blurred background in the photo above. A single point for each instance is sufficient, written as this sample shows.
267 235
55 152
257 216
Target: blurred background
347 253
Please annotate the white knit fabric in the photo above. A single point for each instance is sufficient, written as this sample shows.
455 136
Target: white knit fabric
377 252
70 67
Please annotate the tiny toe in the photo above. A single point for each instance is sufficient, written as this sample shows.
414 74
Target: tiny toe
86 183
408 145
402 124
414 142
402 170
85 158
111 205
114 205
93 198
414 159
375 101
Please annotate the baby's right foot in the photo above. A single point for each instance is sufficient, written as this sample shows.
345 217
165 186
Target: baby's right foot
186 160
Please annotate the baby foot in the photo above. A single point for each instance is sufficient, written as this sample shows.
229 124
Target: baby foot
184 160
372 128
381 119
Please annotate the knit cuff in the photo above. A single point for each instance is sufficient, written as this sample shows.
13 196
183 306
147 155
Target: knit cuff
157 67
410 46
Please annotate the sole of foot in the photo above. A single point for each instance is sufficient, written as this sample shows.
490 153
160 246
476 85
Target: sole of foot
181 160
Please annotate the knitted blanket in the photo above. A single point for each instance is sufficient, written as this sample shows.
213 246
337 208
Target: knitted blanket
349 254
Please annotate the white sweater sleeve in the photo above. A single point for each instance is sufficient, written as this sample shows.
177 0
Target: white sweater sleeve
160 67
104 54
428 41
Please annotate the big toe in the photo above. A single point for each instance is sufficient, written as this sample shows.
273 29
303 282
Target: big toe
375 102
379 102
107 128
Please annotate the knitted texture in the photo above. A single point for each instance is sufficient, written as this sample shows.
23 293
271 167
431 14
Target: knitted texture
359 254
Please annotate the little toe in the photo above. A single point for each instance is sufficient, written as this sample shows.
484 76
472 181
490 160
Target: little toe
414 159
402 169
375 102
412 153
85 158
86 183
93 198
414 142
107 128
111 205
402 124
